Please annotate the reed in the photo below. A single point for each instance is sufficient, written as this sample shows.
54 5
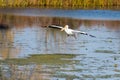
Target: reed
60 3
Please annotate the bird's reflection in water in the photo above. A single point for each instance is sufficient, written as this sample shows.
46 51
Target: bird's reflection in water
53 39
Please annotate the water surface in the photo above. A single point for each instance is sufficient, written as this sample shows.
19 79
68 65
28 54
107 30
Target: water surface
74 13
28 49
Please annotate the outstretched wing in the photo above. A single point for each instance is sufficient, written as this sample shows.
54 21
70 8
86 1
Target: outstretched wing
54 26
84 33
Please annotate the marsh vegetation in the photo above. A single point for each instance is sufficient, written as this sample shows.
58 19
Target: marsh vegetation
85 4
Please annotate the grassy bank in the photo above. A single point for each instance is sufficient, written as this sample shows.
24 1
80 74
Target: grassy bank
61 3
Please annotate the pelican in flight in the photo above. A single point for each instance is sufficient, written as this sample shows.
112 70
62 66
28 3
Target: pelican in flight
69 31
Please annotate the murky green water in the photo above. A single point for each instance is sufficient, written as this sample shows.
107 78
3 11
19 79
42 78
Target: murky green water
30 51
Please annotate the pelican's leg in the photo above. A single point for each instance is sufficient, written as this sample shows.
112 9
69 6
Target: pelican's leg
74 35
68 35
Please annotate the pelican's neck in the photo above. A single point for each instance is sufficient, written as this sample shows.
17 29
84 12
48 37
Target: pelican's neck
66 27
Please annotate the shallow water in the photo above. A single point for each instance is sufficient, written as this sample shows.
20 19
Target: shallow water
28 49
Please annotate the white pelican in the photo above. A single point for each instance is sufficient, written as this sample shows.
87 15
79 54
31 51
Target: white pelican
69 31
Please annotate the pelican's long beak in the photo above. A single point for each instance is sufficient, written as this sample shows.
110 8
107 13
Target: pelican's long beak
62 29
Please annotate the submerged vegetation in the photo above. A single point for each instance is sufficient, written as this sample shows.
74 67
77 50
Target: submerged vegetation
58 59
104 51
61 3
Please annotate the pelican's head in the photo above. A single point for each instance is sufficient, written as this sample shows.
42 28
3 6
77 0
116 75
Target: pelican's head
66 27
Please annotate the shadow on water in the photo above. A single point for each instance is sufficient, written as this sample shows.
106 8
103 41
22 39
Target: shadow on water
28 50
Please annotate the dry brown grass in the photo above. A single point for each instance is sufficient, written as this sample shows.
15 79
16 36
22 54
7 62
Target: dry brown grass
60 3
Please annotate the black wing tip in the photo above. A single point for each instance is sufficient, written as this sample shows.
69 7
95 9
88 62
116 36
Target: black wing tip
54 26
88 34
50 26
92 36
